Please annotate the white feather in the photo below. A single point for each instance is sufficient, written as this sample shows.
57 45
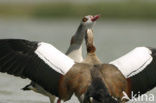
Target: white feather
133 62
54 58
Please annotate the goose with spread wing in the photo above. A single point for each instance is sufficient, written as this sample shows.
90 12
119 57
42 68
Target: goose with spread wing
48 67
138 68
74 51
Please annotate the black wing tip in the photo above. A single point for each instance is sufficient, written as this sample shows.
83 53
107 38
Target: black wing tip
19 44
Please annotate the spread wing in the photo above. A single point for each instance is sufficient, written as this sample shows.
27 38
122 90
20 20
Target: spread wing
145 80
15 55
139 67
18 57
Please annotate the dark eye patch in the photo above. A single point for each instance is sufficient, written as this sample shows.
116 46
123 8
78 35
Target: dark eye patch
84 19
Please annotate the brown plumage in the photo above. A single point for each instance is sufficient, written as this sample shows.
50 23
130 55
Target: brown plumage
114 81
75 81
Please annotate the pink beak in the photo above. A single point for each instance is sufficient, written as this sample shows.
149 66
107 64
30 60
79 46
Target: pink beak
95 18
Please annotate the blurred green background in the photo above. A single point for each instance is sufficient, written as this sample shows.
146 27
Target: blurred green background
109 9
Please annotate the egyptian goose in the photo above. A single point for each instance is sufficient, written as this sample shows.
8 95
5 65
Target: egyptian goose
83 74
35 60
74 51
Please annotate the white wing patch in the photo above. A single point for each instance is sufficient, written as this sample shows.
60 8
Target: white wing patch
134 62
54 58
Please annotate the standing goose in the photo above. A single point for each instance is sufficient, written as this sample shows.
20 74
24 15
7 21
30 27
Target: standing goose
74 51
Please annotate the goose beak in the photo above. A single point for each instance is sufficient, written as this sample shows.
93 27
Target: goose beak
95 18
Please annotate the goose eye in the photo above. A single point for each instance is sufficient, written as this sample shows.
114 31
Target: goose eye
84 19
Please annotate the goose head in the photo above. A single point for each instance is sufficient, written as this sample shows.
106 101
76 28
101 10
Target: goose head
89 21
86 23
